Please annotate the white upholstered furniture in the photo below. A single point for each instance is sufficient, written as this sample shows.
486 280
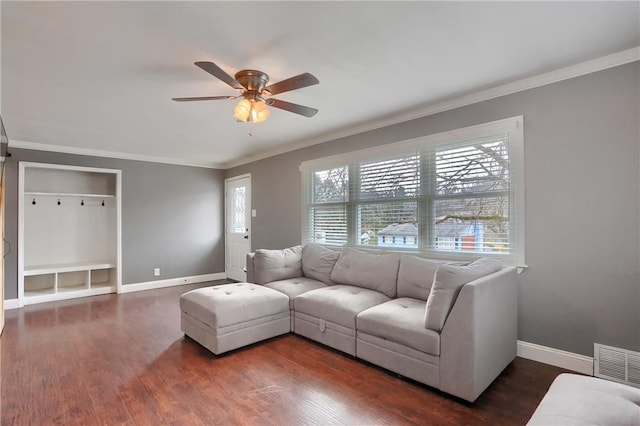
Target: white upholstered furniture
229 316
452 326
582 400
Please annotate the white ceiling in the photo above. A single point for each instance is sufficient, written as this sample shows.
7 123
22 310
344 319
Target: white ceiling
99 76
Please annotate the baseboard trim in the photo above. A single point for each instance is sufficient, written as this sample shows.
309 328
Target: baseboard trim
559 358
151 285
11 304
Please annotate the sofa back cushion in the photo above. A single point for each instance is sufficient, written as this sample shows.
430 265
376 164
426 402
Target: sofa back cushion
416 275
373 271
448 282
318 262
275 265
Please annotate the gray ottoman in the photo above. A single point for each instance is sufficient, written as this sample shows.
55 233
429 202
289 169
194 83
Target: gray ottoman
229 316
583 400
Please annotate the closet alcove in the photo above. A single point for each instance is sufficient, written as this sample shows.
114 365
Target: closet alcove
68 232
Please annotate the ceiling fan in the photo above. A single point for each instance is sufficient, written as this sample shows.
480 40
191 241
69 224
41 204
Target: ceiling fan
255 92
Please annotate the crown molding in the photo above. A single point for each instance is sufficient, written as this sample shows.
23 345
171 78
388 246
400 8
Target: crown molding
107 154
566 73
588 67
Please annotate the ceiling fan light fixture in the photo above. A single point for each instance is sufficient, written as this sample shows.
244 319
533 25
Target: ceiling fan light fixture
242 111
259 111
252 110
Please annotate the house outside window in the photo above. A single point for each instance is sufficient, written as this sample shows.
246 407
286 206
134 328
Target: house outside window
398 235
454 194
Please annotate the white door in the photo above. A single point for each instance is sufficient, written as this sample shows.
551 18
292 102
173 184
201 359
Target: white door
237 225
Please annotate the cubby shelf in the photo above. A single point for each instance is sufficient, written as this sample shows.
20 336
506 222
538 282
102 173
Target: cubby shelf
48 282
66 267
67 248
67 194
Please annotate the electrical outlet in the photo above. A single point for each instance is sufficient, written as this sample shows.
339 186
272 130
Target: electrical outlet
156 272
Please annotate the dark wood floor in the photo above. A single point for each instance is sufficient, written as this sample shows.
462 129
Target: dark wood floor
122 360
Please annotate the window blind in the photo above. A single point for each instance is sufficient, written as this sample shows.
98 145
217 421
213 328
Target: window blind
454 194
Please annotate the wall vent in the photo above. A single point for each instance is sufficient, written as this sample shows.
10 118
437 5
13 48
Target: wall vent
618 365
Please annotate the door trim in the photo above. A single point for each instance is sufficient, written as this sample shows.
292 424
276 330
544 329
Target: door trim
226 216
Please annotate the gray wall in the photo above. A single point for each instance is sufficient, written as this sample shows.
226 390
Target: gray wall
582 180
172 217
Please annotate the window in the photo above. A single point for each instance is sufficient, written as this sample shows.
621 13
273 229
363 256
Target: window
454 194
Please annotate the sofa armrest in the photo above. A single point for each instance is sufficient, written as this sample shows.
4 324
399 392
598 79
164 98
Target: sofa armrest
479 338
250 273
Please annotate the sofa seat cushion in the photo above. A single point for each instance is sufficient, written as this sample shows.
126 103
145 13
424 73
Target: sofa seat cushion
293 287
583 400
339 304
401 321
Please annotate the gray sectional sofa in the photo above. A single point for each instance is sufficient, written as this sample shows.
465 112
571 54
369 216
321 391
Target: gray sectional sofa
449 325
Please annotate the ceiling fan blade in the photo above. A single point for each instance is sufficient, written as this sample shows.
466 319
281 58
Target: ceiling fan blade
293 83
295 108
219 73
203 98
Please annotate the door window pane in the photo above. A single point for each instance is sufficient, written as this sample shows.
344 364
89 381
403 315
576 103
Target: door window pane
238 209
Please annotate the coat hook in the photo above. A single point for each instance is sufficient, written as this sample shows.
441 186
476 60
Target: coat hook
102 203
59 201
82 203
33 201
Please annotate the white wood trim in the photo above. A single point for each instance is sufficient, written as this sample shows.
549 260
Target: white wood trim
130 288
231 179
67 194
68 267
12 304
22 271
21 168
108 154
67 167
150 285
74 293
118 230
559 358
248 216
513 126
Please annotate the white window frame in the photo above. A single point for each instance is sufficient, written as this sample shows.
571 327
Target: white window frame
513 126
